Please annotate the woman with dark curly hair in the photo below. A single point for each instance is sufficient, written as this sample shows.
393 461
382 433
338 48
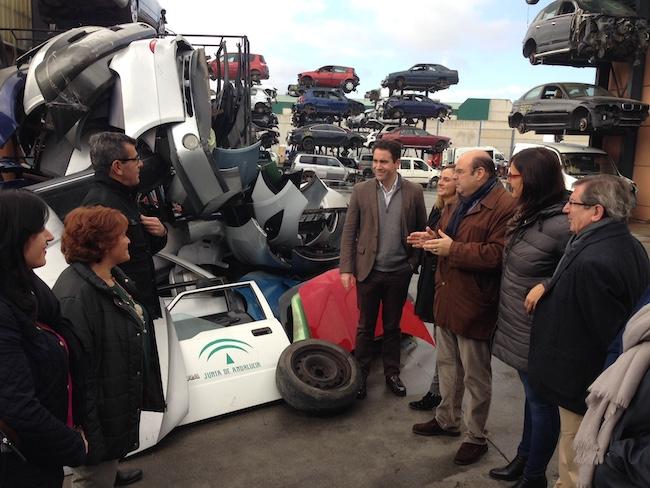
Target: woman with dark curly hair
116 333
35 343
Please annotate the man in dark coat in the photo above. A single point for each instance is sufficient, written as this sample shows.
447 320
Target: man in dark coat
117 175
591 295
469 249
374 253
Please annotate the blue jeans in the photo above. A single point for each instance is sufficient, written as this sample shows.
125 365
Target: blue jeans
541 431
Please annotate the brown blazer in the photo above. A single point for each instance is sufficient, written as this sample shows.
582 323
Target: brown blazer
467 281
361 229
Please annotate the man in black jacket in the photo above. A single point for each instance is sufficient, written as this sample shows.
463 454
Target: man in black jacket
117 175
591 295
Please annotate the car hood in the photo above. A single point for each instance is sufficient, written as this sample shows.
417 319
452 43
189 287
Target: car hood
608 100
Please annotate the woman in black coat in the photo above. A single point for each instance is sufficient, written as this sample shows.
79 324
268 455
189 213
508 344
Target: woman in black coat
116 333
426 281
35 343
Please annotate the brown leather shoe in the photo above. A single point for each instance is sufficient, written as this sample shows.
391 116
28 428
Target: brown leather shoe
433 428
470 453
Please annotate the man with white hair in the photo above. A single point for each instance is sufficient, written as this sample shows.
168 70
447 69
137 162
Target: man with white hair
581 309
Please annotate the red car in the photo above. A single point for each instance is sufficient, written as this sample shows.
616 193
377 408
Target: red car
416 137
259 68
330 76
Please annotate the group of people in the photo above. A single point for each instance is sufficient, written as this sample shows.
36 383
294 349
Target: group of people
79 362
541 278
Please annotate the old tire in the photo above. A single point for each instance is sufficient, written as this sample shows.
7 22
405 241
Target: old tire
521 127
308 144
433 182
367 173
317 377
348 86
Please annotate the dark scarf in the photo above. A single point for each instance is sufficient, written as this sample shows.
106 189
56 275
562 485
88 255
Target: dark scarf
465 204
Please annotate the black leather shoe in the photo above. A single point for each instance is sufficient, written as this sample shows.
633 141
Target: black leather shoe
127 476
511 472
395 385
531 483
428 402
362 392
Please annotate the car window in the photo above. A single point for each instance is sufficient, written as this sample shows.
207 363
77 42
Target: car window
420 132
566 8
551 92
418 67
322 160
340 69
607 7
405 164
577 90
550 11
587 164
533 94
333 162
326 69
419 164
431 68
335 96
214 309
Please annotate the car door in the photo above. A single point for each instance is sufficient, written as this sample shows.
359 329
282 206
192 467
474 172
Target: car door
230 343
544 27
325 76
406 137
321 101
548 110
560 29
335 170
420 171
338 103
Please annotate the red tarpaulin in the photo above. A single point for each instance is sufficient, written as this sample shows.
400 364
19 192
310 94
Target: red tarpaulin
332 312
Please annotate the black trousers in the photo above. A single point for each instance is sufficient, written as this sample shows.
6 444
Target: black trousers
388 290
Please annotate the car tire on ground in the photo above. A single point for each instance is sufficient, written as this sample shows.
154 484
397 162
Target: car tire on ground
367 173
317 377
348 86
308 144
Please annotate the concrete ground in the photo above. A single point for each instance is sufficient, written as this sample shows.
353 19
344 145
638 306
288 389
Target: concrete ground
369 446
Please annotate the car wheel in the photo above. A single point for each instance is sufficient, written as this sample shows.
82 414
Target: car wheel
133 8
530 51
367 173
307 82
433 182
260 108
521 127
255 75
317 377
308 144
582 121
309 109
348 86
400 83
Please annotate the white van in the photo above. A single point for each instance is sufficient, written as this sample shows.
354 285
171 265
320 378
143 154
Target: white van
576 161
451 154
417 171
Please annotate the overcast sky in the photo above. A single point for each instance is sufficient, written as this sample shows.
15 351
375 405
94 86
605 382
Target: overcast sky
479 38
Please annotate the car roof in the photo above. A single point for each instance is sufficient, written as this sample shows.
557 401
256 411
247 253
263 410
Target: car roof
563 147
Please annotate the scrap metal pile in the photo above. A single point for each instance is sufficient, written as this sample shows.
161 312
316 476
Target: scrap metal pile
199 163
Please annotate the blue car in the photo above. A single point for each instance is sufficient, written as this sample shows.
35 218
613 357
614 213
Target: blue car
327 101
412 105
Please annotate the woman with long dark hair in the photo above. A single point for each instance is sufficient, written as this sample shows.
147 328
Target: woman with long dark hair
537 236
35 381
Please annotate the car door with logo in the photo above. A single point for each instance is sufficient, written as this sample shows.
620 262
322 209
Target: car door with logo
230 343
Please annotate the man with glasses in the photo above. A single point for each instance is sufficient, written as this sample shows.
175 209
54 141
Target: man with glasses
469 245
117 175
580 310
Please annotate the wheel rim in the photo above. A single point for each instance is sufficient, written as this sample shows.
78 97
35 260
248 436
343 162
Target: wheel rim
321 368
133 6
349 86
583 124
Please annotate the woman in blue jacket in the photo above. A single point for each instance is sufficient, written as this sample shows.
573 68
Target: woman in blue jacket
35 345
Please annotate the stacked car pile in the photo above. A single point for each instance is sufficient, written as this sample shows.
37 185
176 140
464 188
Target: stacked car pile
580 33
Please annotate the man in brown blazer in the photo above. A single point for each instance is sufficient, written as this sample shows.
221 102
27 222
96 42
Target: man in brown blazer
469 245
374 253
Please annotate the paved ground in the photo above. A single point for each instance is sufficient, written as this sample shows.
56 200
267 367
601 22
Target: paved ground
369 446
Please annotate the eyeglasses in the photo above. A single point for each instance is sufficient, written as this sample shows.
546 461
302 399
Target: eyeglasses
580 204
126 160
511 176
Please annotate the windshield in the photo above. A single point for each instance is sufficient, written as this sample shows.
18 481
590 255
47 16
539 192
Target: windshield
607 7
584 164
579 90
